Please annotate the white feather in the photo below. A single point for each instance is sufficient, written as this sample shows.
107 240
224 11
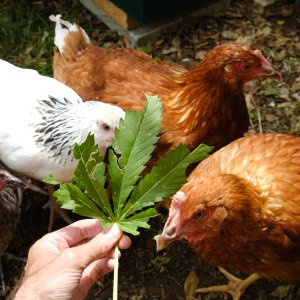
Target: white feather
61 33
26 107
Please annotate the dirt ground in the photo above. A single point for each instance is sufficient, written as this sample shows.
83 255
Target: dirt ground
273 107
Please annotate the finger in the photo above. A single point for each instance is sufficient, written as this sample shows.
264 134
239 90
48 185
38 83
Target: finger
76 232
95 270
83 255
111 264
111 254
124 242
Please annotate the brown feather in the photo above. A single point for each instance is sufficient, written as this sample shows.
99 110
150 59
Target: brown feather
202 105
250 191
9 209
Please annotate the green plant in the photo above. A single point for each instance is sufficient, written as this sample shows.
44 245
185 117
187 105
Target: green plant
125 197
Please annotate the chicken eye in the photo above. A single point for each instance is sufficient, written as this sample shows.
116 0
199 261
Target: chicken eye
246 67
199 214
106 127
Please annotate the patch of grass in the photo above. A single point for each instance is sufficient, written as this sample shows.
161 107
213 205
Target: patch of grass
26 33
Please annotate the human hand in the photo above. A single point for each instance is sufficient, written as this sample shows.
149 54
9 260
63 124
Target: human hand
64 264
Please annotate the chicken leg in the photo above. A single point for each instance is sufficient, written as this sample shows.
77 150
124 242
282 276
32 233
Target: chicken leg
55 209
30 186
235 287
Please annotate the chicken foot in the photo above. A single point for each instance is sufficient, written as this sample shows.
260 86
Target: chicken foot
55 209
235 287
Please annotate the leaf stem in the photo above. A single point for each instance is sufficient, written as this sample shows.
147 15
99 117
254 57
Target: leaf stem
116 273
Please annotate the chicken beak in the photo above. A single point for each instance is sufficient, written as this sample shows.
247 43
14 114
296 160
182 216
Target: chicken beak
162 243
14 181
270 72
276 76
166 238
267 70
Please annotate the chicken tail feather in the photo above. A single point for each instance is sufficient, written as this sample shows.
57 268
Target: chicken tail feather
69 39
65 35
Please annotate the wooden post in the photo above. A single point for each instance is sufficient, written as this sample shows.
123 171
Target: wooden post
117 14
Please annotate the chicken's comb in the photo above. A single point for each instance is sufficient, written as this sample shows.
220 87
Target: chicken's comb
259 54
177 200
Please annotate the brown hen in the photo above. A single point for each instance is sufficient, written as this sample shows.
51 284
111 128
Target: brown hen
241 209
203 105
9 211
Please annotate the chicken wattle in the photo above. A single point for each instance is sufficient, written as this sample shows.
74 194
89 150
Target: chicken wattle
202 105
240 208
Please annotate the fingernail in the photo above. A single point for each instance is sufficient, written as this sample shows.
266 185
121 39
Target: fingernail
114 229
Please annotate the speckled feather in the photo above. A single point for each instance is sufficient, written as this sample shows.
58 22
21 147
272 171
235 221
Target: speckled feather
250 191
9 215
41 119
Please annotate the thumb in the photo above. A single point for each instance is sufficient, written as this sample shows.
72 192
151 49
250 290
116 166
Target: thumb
96 248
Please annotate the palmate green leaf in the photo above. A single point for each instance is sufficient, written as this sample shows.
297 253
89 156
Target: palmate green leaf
132 147
164 179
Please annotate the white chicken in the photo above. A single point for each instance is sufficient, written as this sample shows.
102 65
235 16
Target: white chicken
41 119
